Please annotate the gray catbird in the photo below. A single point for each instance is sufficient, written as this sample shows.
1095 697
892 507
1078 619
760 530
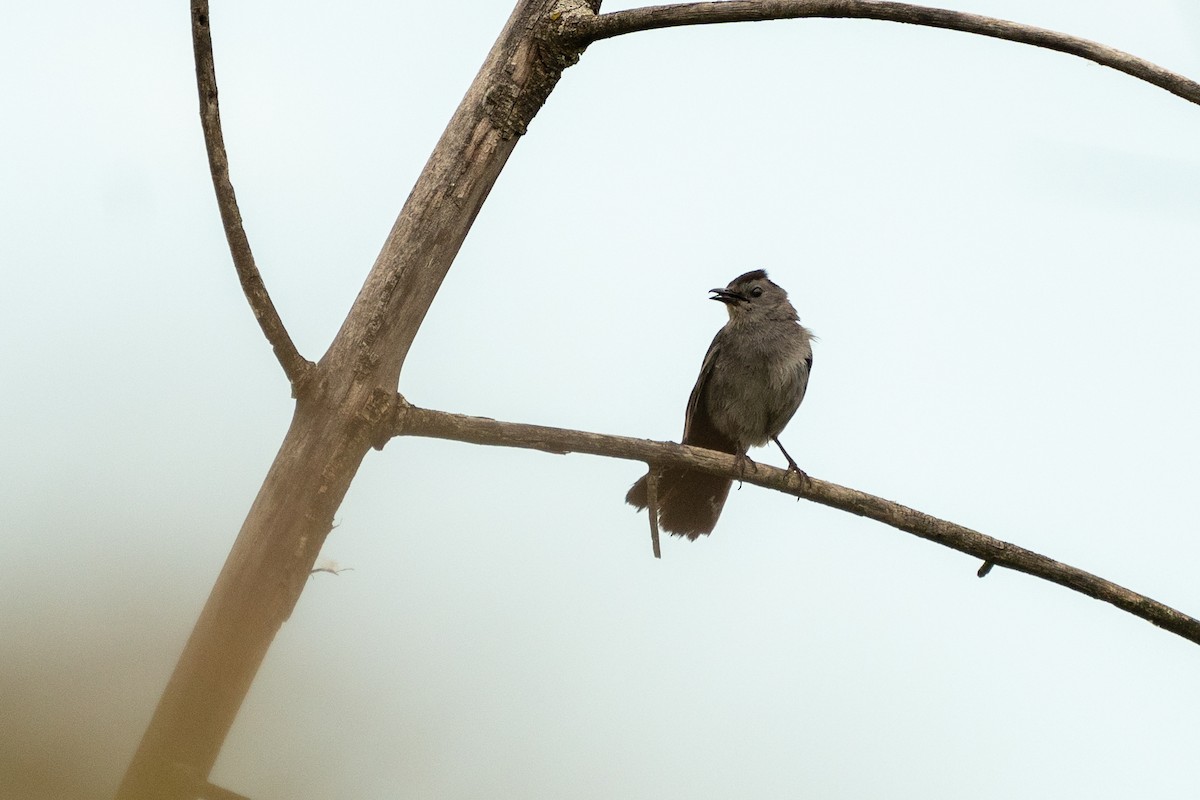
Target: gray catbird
751 383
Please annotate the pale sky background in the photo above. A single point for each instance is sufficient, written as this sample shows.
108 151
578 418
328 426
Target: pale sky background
996 245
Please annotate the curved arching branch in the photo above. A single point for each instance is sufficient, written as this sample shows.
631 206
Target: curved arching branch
606 26
295 366
410 420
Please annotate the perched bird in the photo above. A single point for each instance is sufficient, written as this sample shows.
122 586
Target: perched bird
751 383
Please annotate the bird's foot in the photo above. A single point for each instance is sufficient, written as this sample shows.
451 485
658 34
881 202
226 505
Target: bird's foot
741 460
792 465
801 474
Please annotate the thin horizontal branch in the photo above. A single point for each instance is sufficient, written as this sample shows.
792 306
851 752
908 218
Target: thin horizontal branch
605 26
413 421
295 366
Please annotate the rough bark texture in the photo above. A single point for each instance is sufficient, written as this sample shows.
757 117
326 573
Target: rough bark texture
343 409
515 81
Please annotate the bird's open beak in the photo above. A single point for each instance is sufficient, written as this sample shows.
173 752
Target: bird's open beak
727 297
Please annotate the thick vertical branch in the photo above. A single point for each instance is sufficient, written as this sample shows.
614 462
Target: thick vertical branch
344 408
454 184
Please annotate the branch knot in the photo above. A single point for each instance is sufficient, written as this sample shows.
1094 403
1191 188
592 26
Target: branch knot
555 43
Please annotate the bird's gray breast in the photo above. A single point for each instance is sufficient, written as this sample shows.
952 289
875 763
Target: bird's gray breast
758 380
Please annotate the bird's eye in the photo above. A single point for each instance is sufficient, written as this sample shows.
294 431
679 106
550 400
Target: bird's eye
756 291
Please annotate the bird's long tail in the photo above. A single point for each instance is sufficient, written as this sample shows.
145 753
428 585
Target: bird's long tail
689 502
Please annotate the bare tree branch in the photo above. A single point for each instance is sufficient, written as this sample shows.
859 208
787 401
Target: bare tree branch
413 421
493 116
605 26
339 417
295 366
